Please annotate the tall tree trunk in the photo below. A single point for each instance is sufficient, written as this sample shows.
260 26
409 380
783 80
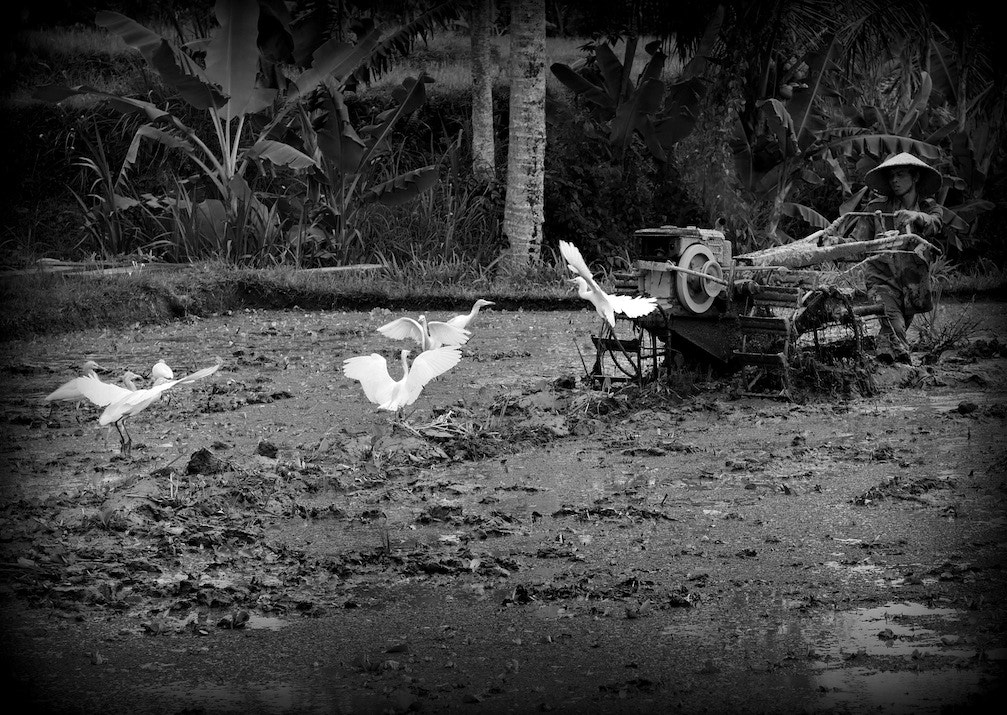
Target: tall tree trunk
523 209
483 146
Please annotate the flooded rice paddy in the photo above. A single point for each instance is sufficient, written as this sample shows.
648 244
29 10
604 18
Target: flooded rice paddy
520 543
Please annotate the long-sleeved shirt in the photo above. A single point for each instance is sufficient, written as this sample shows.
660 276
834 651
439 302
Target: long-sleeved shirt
932 218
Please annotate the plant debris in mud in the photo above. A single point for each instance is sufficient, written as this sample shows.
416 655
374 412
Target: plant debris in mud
904 488
172 545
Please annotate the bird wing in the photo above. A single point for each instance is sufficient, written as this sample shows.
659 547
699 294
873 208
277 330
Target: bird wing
129 404
69 390
371 371
429 364
447 334
403 329
192 377
101 393
633 306
138 401
576 263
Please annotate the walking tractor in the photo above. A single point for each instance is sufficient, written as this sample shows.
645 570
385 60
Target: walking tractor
800 306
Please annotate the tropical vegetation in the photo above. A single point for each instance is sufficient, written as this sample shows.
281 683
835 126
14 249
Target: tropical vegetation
263 135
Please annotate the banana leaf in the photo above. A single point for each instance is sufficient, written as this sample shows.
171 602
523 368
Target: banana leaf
232 57
804 212
55 94
336 59
582 87
280 154
402 188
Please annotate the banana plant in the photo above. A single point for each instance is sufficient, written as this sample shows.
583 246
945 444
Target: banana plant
659 115
349 175
231 89
978 125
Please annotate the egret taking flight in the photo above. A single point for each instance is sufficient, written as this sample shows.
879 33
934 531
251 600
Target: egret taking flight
464 320
606 305
371 371
429 335
136 402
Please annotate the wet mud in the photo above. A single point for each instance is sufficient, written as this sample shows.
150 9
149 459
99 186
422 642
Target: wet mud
518 542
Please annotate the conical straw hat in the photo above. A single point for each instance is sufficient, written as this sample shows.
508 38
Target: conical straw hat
929 181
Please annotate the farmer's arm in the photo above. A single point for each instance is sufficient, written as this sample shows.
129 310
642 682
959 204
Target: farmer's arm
927 222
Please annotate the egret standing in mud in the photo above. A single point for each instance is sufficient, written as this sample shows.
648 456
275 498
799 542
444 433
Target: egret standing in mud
606 305
430 335
135 402
464 320
371 371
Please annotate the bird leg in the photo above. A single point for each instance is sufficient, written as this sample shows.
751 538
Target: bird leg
606 330
125 441
404 418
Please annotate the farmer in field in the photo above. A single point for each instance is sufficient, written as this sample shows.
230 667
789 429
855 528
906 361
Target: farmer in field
900 280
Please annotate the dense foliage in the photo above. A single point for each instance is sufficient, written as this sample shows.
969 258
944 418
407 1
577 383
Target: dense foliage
774 147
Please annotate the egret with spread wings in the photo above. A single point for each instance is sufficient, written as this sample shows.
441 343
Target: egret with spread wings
430 335
606 305
371 371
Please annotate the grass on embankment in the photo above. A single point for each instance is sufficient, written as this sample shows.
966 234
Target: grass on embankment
42 303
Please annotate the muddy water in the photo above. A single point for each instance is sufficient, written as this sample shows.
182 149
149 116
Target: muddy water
840 555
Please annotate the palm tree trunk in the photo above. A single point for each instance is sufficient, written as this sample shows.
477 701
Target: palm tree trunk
523 209
483 147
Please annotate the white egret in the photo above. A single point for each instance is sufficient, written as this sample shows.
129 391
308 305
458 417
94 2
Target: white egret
161 372
136 402
464 320
371 371
429 335
606 305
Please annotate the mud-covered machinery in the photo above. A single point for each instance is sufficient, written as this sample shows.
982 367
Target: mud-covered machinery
762 312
